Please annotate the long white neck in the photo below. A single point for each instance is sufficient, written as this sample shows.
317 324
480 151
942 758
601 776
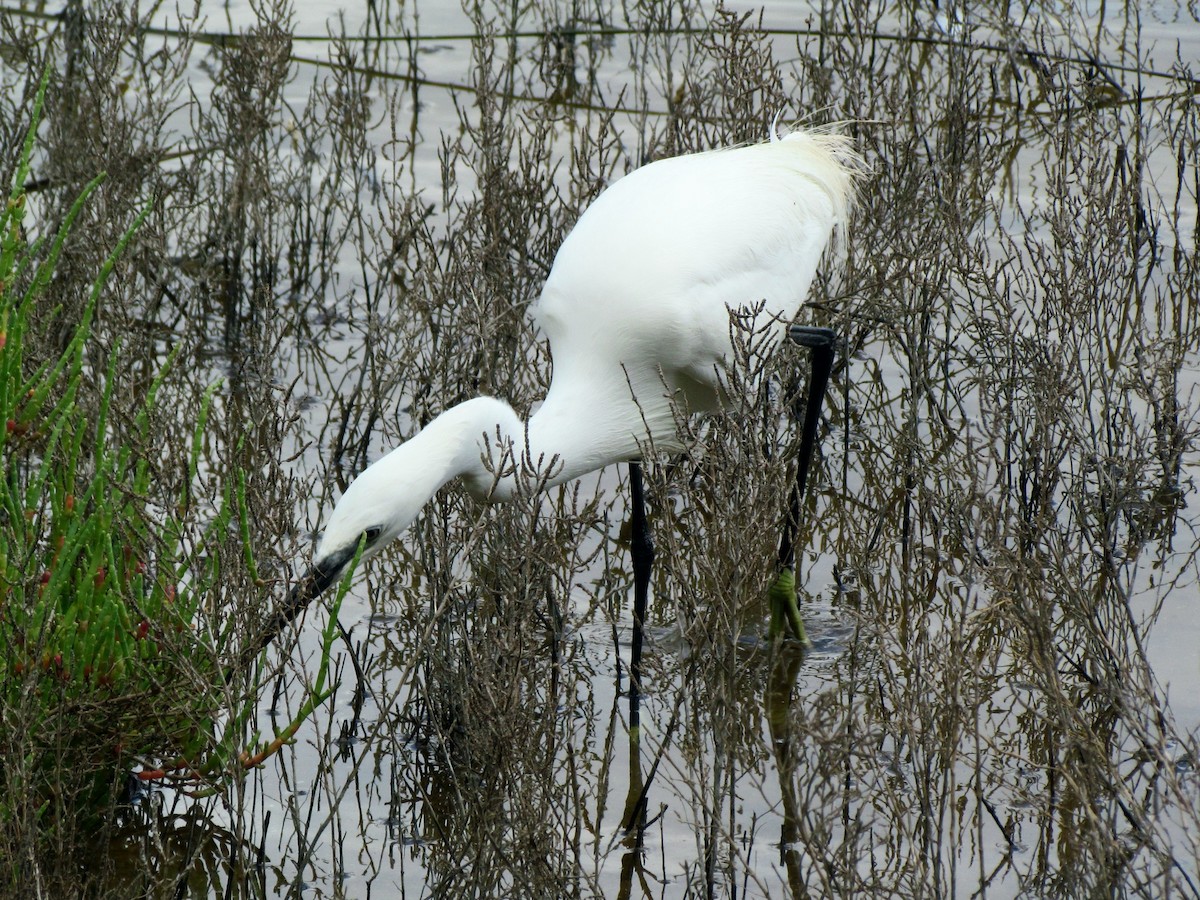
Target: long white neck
453 445
566 437
485 443
385 497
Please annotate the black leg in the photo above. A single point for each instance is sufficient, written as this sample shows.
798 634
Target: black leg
821 341
642 552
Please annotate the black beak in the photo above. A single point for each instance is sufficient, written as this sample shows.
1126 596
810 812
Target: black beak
315 582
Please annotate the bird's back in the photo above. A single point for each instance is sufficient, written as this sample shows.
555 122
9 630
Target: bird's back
653 266
641 288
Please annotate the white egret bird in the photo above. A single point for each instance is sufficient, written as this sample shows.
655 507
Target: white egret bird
637 308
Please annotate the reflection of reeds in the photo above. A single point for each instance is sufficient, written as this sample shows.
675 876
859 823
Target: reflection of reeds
1000 514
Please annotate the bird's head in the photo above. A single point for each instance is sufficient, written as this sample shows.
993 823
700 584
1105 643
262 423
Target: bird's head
387 496
376 508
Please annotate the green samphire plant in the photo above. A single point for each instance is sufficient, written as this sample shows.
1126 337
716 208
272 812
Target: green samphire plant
112 664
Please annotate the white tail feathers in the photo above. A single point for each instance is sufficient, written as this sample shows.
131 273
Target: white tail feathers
831 162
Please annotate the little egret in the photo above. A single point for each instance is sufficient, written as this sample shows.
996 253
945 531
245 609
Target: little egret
637 310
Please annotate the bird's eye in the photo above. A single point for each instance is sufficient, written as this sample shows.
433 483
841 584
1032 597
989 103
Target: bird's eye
372 534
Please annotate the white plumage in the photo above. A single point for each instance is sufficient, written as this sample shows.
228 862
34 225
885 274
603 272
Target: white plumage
636 307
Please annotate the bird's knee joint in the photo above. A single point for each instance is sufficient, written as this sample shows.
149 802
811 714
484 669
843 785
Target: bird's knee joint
812 337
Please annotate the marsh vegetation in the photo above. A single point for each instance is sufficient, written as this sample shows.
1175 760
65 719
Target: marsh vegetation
345 230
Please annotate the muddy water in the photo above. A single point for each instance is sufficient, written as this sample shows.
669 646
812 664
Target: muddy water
487 749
